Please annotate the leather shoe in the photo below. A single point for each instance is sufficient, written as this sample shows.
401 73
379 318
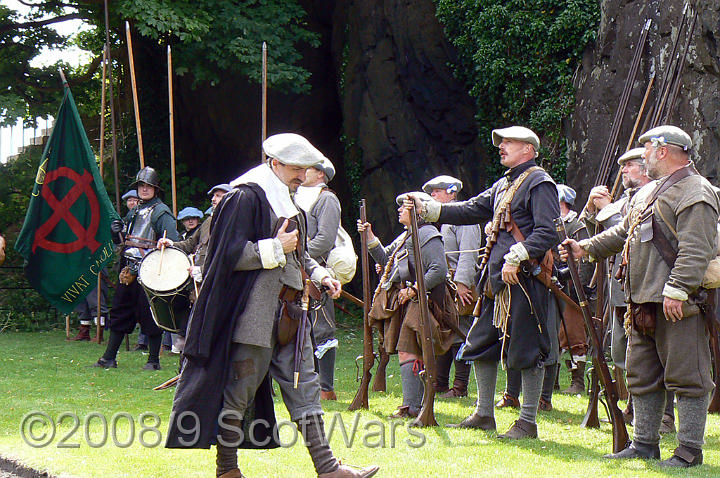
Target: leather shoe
544 405
105 363
475 421
152 366
508 401
520 429
404 411
345 471
683 458
234 473
454 393
139 348
636 450
329 395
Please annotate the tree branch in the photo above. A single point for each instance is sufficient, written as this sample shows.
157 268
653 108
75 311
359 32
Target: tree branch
40 23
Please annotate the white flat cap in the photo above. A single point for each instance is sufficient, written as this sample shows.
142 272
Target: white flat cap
633 154
418 195
443 182
667 134
293 150
519 133
326 167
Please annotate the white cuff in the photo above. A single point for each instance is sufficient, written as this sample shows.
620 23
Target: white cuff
374 243
674 293
431 211
585 244
271 253
517 254
320 273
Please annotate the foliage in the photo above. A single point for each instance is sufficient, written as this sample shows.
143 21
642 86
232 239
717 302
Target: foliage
517 59
211 39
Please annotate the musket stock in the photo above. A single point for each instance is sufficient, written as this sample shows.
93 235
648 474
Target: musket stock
620 436
426 417
380 382
361 397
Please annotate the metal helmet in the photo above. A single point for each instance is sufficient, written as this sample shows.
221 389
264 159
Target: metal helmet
149 176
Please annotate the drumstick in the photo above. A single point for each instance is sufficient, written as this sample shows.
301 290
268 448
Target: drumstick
192 263
162 251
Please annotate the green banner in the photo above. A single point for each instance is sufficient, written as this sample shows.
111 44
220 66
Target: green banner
66 239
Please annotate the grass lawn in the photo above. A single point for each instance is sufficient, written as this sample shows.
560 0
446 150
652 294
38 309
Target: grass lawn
41 372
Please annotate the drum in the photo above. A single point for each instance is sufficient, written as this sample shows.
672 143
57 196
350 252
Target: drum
166 280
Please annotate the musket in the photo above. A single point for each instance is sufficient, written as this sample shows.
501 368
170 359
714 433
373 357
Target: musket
368 357
426 417
714 406
352 298
620 435
301 332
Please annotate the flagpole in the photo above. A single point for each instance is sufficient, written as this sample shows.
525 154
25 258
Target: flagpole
172 130
112 109
98 326
62 77
135 95
264 99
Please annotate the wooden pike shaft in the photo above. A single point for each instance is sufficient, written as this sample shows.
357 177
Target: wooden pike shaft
135 95
172 130
102 112
264 99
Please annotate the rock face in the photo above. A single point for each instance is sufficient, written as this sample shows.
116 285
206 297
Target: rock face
604 71
384 107
406 119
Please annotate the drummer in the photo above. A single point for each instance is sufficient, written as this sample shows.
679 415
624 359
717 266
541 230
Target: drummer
148 221
196 246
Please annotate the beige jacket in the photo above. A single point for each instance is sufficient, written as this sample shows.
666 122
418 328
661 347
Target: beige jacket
687 213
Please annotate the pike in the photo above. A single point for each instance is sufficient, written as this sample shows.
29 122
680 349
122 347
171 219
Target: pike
171 117
620 434
368 357
135 94
426 417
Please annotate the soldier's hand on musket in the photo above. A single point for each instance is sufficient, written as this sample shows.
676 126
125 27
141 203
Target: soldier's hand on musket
406 294
366 226
672 308
411 200
164 242
578 252
287 239
464 294
333 287
510 274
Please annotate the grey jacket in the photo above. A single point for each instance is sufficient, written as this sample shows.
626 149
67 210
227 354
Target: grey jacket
462 238
255 325
323 222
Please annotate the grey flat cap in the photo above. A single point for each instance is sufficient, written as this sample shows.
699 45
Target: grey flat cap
667 134
633 154
566 194
222 187
326 167
519 133
130 194
418 195
293 150
189 212
443 182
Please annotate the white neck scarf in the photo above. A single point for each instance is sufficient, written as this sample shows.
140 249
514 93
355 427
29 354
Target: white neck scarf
277 192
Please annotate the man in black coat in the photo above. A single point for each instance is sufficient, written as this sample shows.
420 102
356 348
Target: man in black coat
513 322
234 337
